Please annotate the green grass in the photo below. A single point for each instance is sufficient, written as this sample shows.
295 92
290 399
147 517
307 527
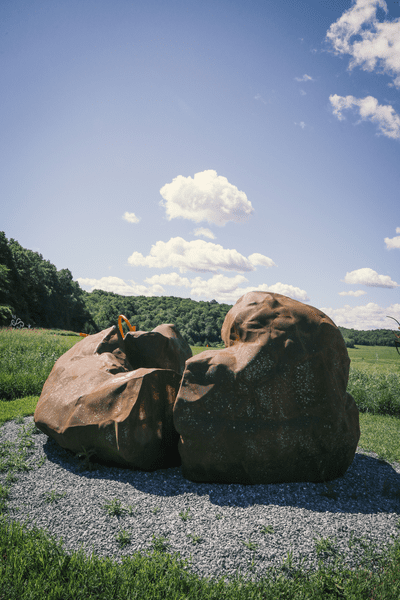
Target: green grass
369 358
27 357
35 565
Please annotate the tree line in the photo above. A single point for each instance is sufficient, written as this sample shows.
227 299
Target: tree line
32 289
375 337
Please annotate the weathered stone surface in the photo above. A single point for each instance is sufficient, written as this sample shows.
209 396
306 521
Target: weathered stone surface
96 398
272 406
163 348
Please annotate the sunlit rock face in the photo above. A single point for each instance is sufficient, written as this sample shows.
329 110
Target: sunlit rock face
114 396
272 406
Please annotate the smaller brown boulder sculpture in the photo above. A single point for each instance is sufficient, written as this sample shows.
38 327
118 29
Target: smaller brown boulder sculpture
162 348
272 406
117 405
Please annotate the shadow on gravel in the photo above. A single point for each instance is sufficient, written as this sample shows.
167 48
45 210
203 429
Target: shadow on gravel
369 486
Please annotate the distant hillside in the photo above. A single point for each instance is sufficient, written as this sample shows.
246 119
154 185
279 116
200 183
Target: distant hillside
199 322
374 337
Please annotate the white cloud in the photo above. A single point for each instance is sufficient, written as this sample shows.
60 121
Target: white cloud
260 259
369 277
368 316
169 279
225 289
303 93
204 232
379 46
356 294
196 255
206 197
217 286
302 124
304 78
387 119
119 286
393 242
131 217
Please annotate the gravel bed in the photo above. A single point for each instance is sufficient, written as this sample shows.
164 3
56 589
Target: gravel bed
223 516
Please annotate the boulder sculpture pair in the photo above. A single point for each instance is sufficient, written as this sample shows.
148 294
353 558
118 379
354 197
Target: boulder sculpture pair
270 407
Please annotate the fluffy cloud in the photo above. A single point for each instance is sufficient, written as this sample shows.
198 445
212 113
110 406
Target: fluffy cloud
369 316
369 277
197 255
304 78
393 242
387 119
206 197
217 286
379 46
204 232
119 286
131 217
356 294
259 259
168 279
225 289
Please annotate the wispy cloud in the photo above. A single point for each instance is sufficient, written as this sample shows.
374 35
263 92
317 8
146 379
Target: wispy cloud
301 124
204 232
304 78
379 46
168 279
356 294
370 278
119 286
206 197
131 217
226 289
357 317
387 119
260 98
393 242
197 255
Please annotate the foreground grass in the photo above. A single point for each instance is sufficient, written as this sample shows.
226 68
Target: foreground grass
27 357
35 565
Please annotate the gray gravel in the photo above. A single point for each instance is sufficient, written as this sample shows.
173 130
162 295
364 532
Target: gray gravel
366 507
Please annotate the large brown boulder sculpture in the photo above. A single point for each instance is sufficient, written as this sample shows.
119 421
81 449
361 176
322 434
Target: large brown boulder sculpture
114 396
272 406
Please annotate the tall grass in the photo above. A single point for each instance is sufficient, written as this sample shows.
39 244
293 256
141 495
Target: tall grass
27 357
34 565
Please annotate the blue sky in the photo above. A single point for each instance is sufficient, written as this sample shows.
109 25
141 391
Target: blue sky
203 149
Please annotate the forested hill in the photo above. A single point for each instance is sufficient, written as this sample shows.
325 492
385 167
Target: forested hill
34 291
374 337
199 322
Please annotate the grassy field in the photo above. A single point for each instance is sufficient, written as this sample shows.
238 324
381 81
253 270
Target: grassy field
32 565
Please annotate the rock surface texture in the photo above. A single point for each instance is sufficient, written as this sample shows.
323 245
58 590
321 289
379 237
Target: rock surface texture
272 406
114 396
